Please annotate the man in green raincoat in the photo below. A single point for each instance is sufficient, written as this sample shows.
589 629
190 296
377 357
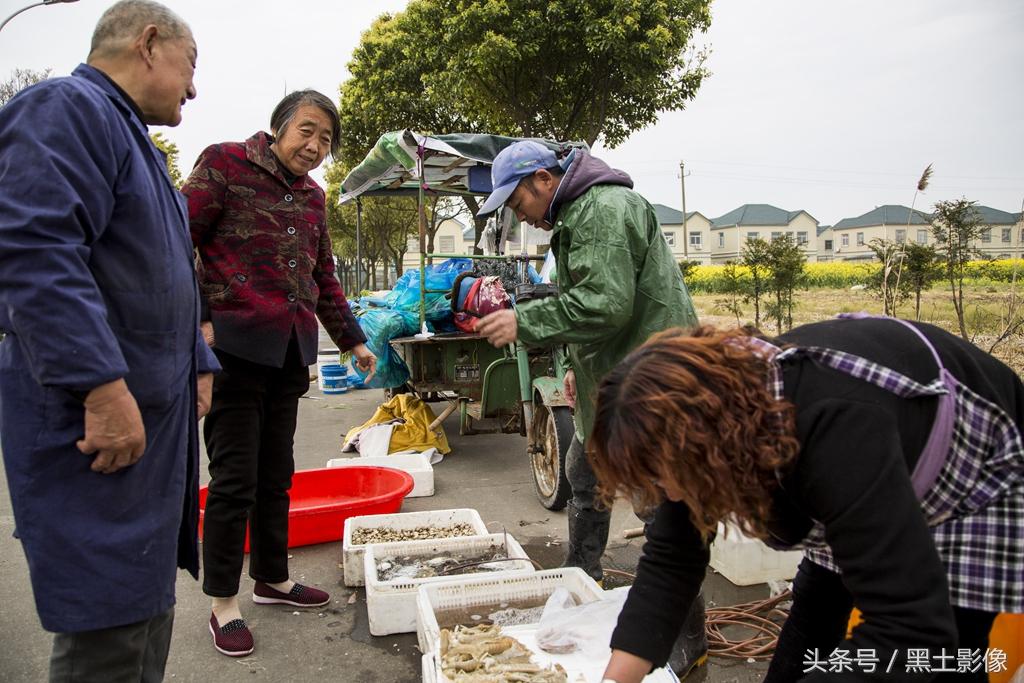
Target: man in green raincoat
618 284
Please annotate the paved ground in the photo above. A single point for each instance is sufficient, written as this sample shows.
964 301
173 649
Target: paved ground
486 472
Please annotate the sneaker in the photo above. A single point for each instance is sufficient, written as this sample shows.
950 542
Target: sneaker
233 639
298 596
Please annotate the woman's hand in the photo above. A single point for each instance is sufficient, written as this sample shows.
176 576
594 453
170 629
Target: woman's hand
626 668
365 360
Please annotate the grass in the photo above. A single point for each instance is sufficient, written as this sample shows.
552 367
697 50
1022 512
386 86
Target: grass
986 307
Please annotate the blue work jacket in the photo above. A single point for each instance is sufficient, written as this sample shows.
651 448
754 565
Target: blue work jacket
96 283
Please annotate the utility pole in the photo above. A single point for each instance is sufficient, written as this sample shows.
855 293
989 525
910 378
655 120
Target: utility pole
682 185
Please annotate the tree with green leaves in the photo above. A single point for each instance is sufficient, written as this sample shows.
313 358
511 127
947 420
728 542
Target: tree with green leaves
560 69
786 273
170 151
734 285
757 259
921 269
956 225
892 290
386 225
571 70
19 80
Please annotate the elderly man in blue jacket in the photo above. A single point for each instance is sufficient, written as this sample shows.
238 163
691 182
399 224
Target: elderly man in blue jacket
103 371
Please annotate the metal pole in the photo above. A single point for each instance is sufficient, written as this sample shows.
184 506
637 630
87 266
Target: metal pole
682 185
422 216
359 227
35 4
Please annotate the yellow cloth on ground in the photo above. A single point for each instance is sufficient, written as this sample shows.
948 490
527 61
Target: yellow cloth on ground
414 434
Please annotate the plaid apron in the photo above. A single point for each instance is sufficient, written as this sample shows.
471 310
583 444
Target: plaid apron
969 478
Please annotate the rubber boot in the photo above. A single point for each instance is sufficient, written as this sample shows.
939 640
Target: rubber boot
588 536
691 647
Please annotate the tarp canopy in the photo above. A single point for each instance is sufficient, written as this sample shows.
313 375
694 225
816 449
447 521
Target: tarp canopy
456 163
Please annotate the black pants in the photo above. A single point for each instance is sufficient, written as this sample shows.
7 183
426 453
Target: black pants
818 619
249 435
134 653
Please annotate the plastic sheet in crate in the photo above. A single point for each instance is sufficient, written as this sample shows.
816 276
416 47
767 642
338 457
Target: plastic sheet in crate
352 553
391 604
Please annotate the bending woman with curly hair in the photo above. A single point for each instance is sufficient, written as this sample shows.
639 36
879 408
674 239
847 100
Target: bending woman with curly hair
891 452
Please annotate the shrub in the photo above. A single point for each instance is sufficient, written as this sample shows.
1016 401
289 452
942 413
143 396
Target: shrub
845 274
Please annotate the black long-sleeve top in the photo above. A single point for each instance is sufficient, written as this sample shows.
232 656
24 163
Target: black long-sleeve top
859 444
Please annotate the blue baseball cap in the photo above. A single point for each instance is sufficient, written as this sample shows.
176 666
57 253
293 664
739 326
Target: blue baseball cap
512 164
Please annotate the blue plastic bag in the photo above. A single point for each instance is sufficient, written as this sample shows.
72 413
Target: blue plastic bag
406 294
381 325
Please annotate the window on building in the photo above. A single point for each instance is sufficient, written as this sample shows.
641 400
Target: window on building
844 239
721 239
986 235
801 238
1006 235
860 239
696 240
670 237
922 237
446 244
1002 256
828 245
413 244
753 236
901 236
776 236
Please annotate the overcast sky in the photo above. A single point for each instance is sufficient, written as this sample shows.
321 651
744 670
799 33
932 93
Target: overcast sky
832 107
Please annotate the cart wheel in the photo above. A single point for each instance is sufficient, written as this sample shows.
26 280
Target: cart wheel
552 431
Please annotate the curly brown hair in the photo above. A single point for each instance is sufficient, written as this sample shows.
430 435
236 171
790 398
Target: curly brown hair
694 408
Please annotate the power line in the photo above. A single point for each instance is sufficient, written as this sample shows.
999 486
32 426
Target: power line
667 162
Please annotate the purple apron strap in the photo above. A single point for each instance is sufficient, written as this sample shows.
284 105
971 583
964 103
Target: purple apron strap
936 449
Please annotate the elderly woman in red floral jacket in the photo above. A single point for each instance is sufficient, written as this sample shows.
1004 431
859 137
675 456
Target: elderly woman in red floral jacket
266 273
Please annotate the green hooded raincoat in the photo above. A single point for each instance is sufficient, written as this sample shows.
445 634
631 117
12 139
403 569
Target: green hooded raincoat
618 281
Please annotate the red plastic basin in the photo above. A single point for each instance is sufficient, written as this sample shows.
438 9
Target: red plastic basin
321 500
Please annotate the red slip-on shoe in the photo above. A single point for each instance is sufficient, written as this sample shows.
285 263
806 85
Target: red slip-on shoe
233 639
299 596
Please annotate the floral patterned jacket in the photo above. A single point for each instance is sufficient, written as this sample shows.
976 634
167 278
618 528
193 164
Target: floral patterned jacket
265 263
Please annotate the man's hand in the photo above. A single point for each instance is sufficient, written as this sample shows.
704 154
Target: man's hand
365 360
206 328
500 328
113 428
204 394
569 387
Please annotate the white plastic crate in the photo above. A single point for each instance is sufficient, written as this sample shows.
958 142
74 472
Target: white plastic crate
485 594
432 672
391 605
489 593
428 669
416 464
746 561
352 554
